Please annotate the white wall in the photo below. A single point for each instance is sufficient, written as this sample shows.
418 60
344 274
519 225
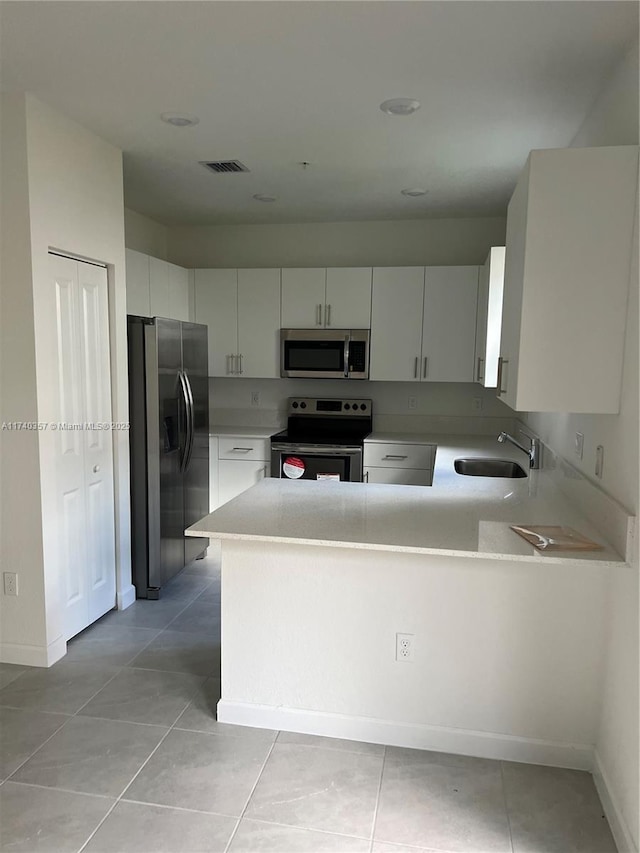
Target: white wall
613 120
441 406
320 244
75 204
496 671
22 619
145 235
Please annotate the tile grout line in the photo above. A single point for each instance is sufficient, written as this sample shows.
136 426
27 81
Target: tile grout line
251 793
375 811
20 766
506 807
126 788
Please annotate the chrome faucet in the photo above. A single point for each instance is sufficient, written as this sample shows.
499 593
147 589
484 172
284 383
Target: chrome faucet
533 452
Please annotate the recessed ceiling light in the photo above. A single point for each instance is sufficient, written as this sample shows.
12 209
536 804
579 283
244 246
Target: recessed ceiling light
262 197
400 106
414 192
179 119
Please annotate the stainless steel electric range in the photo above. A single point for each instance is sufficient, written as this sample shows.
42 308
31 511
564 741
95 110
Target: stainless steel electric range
324 439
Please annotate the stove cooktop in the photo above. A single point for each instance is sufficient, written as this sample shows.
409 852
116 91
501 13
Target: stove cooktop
326 421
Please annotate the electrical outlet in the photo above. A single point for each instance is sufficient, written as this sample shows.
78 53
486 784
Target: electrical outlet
599 460
413 402
404 647
10 583
579 445
476 404
255 398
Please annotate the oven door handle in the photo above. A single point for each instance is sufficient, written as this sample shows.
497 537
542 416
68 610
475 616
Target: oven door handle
347 341
316 449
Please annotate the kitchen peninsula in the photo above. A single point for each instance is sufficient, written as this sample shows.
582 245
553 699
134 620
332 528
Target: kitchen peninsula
318 579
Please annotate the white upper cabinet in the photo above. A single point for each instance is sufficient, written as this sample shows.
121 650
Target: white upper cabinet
347 302
178 293
156 288
259 322
216 304
449 323
336 297
303 298
396 323
570 229
423 323
242 311
159 288
489 322
137 271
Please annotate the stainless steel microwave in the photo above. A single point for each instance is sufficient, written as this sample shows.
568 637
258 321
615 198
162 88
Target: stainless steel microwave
324 353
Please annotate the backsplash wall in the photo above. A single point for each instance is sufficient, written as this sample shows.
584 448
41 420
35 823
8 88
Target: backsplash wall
440 406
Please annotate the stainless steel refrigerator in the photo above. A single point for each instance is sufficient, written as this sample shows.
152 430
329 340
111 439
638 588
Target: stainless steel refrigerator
169 446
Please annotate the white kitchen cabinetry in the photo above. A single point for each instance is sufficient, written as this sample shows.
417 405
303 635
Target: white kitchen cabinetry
137 272
337 297
396 323
489 321
156 288
242 462
348 298
423 323
303 292
449 324
179 308
242 311
159 287
259 323
570 229
398 463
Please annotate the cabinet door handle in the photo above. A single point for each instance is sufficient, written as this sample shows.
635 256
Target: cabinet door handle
240 371
366 476
318 315
501 364
479 377
415 368
391 456
424 368
227 365
328 314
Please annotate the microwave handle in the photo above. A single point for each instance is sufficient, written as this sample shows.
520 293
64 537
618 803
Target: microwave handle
347 341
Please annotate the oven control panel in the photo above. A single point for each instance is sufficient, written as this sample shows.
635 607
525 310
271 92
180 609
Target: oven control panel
348 406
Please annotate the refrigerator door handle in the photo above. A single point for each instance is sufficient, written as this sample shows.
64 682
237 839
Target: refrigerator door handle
187 414
190 420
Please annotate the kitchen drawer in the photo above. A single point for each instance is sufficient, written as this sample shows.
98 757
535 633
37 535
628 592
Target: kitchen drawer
239 447
399 476
398 455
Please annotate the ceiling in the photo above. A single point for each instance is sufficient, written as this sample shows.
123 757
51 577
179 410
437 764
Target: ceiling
277 83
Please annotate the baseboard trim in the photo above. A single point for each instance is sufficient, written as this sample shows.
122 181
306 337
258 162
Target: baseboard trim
43 656
439 739
619 829
126 597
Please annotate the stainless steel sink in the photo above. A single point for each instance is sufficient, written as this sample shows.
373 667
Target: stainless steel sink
479 467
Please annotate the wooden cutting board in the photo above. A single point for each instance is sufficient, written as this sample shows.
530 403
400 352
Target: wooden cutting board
552 537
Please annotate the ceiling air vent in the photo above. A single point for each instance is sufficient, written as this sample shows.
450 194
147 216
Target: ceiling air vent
221 167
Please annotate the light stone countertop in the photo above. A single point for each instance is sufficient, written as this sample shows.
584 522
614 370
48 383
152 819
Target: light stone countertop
457 516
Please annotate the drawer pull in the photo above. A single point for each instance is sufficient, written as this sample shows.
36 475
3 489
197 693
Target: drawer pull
241 449
391 456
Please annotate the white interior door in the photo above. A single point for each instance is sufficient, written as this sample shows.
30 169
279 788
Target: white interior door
84 448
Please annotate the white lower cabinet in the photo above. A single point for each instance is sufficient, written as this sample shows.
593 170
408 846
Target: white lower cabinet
239 463
398 463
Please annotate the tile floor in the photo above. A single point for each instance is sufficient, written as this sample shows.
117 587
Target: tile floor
116 748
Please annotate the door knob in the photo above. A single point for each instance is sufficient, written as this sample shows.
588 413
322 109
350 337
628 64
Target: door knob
96 468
